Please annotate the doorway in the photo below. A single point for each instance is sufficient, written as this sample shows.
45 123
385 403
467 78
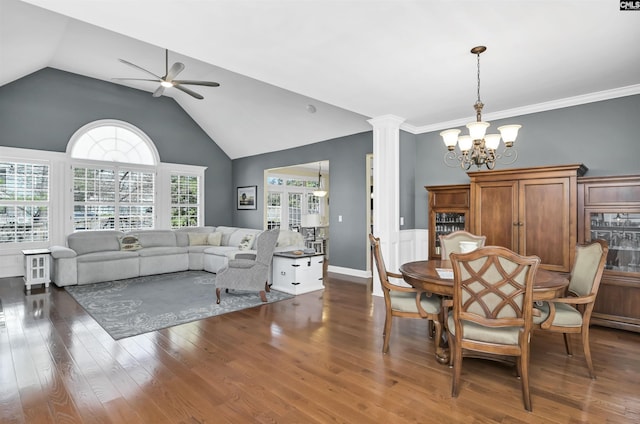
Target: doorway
296 198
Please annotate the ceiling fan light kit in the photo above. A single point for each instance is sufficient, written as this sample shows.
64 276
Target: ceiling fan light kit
479 148
168 80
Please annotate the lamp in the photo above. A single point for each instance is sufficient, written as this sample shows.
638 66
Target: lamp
320 191
479 148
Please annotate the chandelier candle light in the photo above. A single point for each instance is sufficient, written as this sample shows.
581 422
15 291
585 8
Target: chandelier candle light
479 148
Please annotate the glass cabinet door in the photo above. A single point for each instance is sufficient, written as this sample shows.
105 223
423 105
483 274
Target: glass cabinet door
622 232
447 222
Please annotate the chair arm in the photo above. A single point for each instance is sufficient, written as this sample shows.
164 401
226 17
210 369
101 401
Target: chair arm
575 300
394 275
396 287
546 324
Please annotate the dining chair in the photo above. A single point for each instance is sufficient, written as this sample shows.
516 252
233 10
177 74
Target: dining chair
450 243
404 302
572 313
492 307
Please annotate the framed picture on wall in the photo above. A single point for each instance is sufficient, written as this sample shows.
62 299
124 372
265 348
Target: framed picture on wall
247 197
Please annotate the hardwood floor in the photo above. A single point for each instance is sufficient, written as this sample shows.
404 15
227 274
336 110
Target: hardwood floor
312 359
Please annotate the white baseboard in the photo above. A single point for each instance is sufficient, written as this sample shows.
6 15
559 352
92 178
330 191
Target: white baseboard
349 271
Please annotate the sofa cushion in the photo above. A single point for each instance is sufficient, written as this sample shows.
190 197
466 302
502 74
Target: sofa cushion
226 234
158 251
198 239
129 242
182 234
220 250
110 255
214 239
84 242
155 238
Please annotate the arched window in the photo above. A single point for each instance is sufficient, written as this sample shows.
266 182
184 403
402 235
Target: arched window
120 192
113 141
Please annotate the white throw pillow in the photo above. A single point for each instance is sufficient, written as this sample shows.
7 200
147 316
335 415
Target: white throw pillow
246 242
198 239
214 239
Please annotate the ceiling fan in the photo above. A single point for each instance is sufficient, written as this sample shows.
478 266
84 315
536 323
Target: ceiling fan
168 80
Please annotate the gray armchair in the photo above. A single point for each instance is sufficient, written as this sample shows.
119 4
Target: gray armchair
250 274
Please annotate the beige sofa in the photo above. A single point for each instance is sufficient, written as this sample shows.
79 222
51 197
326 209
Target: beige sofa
96 256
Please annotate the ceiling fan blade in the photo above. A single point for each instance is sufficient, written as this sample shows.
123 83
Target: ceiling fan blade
190 82
189 92
138 67
135 79
158 91
173 72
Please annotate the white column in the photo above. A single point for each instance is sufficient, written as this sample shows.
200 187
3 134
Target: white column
386 190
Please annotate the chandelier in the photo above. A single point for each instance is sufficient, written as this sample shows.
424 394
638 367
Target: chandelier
479 148
320 191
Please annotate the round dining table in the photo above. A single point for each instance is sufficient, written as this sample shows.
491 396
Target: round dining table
424 275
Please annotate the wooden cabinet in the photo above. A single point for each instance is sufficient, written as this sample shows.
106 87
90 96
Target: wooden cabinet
448 212
609 209
532 211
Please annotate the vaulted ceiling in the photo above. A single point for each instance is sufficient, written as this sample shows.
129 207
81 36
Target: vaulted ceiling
350 59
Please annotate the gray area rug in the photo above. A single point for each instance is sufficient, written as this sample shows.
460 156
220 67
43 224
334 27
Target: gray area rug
126 308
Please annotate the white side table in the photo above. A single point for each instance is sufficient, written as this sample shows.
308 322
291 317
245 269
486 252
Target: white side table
297 274
36 267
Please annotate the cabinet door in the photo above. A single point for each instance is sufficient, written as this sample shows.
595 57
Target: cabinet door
495 212
545 224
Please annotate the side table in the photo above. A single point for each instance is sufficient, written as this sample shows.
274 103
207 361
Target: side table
297 274
36 267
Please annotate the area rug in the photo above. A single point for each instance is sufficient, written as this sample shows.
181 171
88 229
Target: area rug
126 308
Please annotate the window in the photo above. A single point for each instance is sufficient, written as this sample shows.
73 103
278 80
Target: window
185 201
117 176
297 191
24 202
113 198
274 209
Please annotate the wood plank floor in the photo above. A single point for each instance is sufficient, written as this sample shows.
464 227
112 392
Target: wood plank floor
312 359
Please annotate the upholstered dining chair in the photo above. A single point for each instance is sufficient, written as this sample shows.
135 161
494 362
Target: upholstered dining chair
250 274
571 314
404 302
492 308
450 243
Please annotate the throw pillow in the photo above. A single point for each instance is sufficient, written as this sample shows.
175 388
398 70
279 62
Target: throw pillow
129 242
246 242
198 239
214 239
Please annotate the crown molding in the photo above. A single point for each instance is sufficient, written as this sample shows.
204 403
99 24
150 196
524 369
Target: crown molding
525 110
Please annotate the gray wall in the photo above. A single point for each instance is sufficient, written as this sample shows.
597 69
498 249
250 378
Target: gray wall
44 109
347 191
604 136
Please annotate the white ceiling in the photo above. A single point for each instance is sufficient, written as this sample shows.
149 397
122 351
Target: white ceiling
351 59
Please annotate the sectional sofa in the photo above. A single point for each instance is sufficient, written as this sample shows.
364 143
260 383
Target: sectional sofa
96 256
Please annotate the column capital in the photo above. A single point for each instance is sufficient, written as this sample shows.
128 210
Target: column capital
386 120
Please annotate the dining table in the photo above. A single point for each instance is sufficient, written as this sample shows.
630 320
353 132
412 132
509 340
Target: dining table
436 276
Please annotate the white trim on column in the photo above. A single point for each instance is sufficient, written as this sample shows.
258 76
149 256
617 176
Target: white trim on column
386 199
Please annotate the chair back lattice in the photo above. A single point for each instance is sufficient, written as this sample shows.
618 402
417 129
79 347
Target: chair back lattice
450 243
588 267
493 286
